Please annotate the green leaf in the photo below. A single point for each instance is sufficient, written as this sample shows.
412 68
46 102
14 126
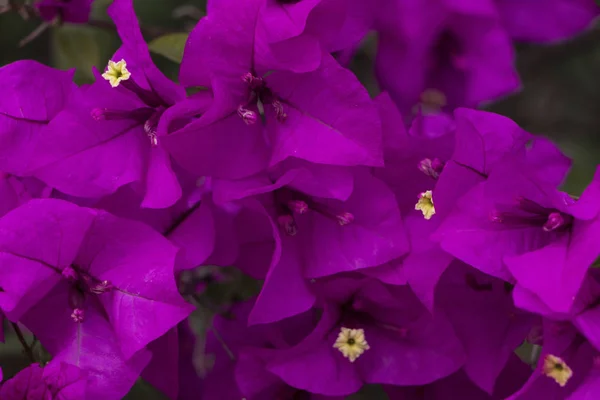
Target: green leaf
99 10
169 46
143 390
76 47
195 89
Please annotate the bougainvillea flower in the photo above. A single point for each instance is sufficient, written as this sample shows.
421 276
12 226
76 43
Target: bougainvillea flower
163 370
585 317
414 160
484 141
485 319
325 220
481 140
92 345
32 94
298 32
15 191
585 298
473 222
241 354
524 20
73 11
260 116
88 252
586 311
221 234
88 285
456 50
590 386
126 202
116 119
518 226
565 261
292 31
568 366
54 381
370 333
484 138
194 232
510 380
440 158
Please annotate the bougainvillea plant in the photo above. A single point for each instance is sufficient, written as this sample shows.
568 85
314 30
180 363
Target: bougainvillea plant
407 240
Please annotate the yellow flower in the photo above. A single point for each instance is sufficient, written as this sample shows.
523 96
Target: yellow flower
116 72
425 204
557 369
351 343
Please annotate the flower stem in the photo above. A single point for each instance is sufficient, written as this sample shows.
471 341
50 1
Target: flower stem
34 34
536 350
26 348
222 342
26 11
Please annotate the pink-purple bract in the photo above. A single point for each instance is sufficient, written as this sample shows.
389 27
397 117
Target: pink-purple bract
403 240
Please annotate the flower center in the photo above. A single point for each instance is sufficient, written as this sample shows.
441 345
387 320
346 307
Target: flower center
289 204
118 75
529 213
259 96
116 72
425 204
82 284
555 368
351 343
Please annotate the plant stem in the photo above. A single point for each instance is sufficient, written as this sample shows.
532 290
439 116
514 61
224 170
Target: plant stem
536 350
222 342
34 34
28 10
26 349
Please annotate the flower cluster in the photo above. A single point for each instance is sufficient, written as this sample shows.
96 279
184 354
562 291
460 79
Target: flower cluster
404 240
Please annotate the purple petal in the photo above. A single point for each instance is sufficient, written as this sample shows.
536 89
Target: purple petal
524 21
135 52
32 94
315 365
163 370
91 345
285 292
139 263
349 123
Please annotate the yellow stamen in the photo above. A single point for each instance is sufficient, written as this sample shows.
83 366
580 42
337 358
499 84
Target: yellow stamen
425 204
557 369
351 343
116 72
